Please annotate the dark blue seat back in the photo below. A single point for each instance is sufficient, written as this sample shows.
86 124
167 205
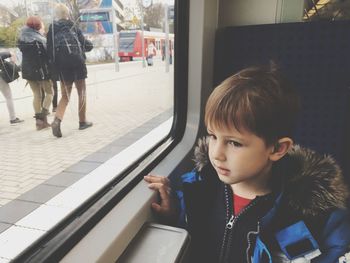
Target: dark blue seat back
316 59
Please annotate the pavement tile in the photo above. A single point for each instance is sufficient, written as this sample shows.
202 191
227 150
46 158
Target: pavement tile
8 195
64 179
82 167
4 226
99 157
15 210
41 193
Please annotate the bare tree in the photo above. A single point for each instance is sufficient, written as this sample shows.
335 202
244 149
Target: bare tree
74 8
131 18
154 15
20 9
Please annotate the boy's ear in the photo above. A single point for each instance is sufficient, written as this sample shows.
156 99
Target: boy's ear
281 148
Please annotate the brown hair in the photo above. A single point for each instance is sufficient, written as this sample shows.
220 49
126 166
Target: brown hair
256 99
34 22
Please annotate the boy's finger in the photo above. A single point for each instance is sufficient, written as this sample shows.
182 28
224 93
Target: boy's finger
164 191
153 178
165 180
156 207
155 186
159 209
164 196
153 175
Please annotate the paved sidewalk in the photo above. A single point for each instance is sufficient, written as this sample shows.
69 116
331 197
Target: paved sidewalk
118 102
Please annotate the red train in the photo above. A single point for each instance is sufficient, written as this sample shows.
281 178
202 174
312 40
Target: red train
130 44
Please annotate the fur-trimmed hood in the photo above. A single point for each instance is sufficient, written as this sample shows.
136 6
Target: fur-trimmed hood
312 183
29 35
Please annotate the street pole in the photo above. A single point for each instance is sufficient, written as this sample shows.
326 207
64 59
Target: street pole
167 58
143 41
115 41
26 6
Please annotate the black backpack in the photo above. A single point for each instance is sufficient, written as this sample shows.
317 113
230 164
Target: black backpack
68 49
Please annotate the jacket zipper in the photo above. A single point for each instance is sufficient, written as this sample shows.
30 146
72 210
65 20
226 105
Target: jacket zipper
41 71
249 241
230 224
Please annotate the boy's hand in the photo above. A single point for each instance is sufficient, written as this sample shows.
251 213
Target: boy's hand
167 206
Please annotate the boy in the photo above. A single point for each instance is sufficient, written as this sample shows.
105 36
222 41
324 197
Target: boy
253 197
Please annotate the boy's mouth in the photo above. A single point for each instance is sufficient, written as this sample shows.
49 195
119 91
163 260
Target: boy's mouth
222 171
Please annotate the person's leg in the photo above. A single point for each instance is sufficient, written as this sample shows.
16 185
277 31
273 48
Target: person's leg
42 97
54 100
81 88
37 95
37 100
47 87
6 92
66 89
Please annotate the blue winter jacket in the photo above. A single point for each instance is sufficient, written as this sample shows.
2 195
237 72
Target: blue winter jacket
304 220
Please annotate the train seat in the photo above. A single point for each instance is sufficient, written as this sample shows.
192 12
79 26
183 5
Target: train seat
315 56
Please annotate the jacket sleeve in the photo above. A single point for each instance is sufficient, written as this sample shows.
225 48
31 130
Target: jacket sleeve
85 43
336 237
5 54
189 177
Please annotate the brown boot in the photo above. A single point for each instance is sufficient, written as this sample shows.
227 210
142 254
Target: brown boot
56 127
44 114
39 123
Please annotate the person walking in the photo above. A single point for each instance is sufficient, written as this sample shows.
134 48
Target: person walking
6 90
151 51
35 68
66 47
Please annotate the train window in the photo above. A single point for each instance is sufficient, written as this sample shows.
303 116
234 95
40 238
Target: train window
326 10
253 12
310 10
95 95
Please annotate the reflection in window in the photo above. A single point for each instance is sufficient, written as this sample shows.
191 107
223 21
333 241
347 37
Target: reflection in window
328 10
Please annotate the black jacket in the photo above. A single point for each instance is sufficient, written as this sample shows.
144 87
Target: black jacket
65 73
35 61
307 187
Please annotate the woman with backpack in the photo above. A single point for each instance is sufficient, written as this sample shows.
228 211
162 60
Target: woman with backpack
66 47
5 88
35 68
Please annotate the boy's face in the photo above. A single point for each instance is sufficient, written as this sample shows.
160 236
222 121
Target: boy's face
240 158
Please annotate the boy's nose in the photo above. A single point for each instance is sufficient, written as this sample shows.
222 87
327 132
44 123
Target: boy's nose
218 152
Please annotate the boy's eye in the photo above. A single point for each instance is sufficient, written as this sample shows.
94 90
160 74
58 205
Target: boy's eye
234 143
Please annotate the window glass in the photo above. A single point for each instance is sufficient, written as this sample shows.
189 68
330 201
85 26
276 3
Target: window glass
312 10
94 79
326 10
